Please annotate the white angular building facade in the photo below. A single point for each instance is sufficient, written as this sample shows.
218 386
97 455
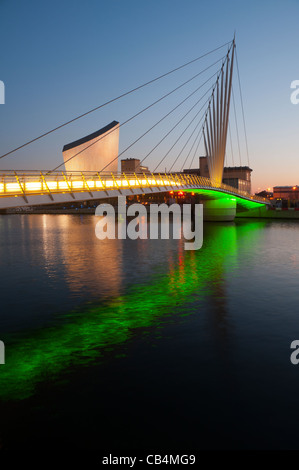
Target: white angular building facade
95 151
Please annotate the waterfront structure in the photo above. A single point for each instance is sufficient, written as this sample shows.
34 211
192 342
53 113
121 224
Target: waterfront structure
94 152
33 189
236 176
132 165
92 167
290 193
265 193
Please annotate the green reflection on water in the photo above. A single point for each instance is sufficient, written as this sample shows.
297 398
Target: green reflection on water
41 355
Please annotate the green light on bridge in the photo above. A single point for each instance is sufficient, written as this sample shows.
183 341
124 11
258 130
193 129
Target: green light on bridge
219 195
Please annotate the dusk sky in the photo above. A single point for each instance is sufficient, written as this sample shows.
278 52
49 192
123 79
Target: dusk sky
61 58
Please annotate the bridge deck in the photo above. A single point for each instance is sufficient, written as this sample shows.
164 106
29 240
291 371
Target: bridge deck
38 188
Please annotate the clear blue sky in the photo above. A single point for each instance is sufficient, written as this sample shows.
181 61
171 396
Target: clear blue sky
61 58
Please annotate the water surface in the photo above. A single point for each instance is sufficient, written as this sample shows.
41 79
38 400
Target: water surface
140 344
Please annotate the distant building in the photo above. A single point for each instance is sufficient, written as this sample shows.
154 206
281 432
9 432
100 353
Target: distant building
265 193
290 193
204 167
101 149
192 171
238 177
132 165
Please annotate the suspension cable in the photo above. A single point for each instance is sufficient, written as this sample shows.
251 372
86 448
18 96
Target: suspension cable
135 115
180 136
231 142
186 143
237 130
197 135
166 135
196 150
158 122
243 114
207 101
113 100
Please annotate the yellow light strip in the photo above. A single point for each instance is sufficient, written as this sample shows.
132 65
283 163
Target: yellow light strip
31 185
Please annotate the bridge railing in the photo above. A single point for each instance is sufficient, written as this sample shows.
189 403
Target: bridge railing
20 183
26 183
207 182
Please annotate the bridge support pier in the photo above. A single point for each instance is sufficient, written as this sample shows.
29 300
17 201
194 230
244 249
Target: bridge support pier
220 210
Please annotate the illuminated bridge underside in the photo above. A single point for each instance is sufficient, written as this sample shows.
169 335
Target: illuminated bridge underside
24 189
221 205
246 203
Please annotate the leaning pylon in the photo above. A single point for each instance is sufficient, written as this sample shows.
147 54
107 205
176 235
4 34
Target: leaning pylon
216 118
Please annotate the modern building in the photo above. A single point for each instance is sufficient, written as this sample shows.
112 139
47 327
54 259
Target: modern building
290 193
95 152
132 165
191 171
238 177
265 193
204 167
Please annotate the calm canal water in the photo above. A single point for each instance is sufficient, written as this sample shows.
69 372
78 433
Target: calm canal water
142 345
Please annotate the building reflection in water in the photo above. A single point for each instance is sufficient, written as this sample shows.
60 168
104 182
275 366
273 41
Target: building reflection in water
89 264
83 335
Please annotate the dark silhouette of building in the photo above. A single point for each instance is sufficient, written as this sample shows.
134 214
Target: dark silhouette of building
290 193
132 165
238 177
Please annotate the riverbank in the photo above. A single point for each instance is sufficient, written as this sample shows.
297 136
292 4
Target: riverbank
273 213
262 212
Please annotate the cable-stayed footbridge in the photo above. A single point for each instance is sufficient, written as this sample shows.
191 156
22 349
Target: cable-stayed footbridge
208 124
